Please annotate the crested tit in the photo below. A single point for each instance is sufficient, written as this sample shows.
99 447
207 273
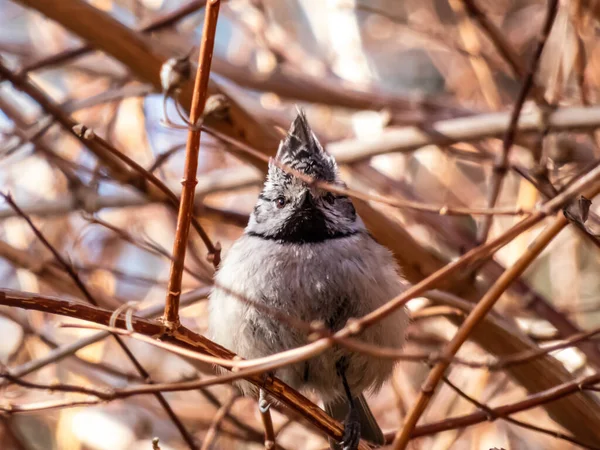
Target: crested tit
306 253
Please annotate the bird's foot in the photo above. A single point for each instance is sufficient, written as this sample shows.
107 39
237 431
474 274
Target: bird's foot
351 436
267 378
263 403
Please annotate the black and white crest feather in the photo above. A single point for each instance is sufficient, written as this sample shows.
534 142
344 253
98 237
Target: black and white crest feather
301 151
291 211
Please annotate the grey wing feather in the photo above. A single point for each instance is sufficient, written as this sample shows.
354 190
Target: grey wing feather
369 429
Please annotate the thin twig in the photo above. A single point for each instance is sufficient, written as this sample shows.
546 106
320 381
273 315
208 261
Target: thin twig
385 199
122 168
480 310
186 205
270 443
501 164
491 416
163 21
187 437
532 401
213 430
464 129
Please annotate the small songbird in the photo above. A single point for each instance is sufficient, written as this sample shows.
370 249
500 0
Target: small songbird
307 254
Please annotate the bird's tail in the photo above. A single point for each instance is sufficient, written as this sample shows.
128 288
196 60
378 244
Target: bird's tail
369 429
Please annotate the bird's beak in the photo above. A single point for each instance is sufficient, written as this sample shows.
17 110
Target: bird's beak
307 200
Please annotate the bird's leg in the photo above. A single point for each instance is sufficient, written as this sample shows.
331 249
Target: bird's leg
263 402
351 435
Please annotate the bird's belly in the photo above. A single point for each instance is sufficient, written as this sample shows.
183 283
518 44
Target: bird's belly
327 283
319 373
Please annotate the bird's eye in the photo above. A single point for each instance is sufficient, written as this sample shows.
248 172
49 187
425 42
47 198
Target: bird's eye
329 198
280 202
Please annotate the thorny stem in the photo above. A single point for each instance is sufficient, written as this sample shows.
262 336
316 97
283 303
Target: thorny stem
186 205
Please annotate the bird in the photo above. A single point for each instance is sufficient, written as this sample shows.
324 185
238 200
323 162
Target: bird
307 255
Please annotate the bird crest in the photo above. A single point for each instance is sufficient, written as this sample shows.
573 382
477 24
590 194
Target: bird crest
302 151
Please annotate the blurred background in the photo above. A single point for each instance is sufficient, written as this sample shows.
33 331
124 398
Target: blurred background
381 81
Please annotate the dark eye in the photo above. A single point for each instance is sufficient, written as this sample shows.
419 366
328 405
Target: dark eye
280 202
329 198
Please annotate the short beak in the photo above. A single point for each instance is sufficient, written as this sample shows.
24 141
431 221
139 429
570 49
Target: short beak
307 201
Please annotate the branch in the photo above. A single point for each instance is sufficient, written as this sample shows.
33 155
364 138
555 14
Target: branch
91 202
459 238
183 338
467 129
501 163
491 416
187 437
532 401
69 349
107 34
186 204
482 308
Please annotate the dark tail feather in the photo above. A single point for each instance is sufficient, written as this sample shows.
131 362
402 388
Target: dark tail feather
369 429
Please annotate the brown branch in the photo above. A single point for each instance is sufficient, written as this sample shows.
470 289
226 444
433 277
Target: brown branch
532 401
123 168
491 416
267 421
185 339
187 437
213 430
107 34
466 129
501 164
66 350
163 21
186 205
482 308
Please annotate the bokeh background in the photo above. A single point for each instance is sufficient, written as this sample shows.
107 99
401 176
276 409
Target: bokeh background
362 70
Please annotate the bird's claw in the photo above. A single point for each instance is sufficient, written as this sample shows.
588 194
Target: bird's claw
351 436
263 403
